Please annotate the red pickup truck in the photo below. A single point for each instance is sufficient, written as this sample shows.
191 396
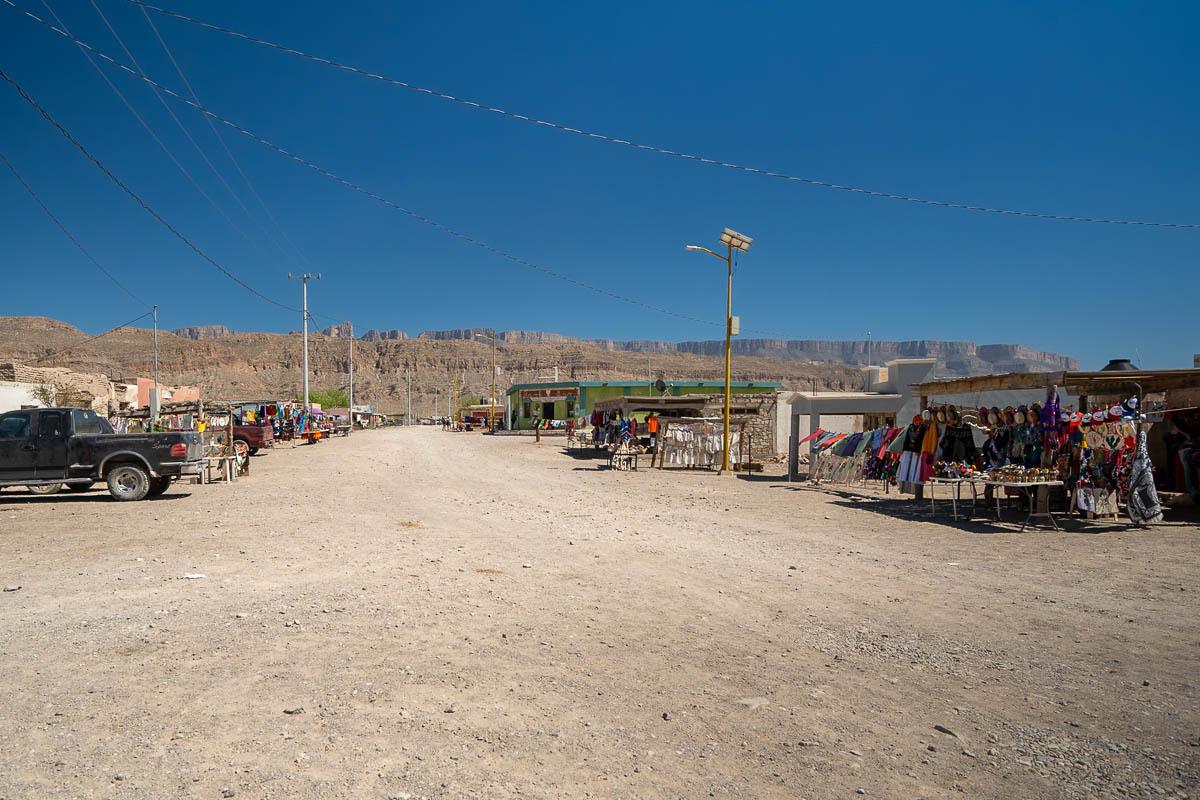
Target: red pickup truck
254 437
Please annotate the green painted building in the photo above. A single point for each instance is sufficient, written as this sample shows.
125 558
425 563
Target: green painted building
567 399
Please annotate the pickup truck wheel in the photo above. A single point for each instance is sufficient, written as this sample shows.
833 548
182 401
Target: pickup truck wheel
128 482
45 488
80 487
158 486
253 451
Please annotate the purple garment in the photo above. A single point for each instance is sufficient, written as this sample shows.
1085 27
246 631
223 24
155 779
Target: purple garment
850 446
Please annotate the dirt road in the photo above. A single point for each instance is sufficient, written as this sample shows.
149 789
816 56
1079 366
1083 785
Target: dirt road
414 613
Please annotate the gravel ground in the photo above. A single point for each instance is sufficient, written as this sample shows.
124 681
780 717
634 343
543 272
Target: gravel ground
419 614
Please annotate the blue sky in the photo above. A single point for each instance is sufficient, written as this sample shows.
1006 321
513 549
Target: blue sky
1086 109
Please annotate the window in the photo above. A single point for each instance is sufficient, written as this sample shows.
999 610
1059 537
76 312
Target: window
15 426
570 407
526 410
52 425
89 422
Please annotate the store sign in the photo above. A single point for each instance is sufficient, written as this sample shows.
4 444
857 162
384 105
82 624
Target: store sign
549 395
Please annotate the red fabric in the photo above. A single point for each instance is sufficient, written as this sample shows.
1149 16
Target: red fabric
811 436
889 436
927 470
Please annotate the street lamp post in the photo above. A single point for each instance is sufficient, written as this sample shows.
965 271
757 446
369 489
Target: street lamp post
731 239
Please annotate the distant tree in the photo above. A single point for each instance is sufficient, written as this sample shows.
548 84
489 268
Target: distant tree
44 393
328 398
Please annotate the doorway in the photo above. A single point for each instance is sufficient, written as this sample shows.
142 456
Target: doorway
548 410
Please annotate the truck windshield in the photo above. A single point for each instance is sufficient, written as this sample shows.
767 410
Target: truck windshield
89 422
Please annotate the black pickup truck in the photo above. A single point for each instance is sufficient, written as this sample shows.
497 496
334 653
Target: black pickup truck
47 448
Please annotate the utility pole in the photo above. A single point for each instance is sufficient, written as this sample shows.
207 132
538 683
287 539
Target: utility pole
304 279
408 419
155 401
351 377
492 402
868 348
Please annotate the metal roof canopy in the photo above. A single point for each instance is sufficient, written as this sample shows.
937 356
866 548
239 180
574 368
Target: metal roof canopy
676 403
1079 383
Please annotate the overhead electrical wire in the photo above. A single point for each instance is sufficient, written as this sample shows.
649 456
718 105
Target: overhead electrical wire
162 145
91 339
187 134
217 133
196 249
648 147
350 184
67 233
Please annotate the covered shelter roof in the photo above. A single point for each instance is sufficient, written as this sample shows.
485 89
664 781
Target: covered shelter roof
685 405
1079 383
843 403
185 407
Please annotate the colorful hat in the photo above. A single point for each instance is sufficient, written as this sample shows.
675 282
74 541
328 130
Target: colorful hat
1087 418
1114 413
1019 415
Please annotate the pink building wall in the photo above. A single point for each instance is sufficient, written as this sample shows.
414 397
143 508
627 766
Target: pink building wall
178 394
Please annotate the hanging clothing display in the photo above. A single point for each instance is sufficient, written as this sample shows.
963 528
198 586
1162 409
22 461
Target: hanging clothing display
1143 503
696 444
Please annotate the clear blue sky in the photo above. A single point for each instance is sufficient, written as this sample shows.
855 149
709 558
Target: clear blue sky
1088 109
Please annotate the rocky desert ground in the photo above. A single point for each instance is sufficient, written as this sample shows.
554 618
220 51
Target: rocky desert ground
412 613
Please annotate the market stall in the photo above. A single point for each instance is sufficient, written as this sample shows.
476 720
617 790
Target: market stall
683 430
1131 441
213 419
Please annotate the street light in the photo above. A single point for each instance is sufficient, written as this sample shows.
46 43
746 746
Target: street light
732 240
492 402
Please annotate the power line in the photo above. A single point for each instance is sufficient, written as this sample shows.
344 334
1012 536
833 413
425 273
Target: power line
648 147
67 233
221 139
351 185
66 134
92 338
179 123
183 170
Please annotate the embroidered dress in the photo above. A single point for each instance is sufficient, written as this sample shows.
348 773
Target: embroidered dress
1143 503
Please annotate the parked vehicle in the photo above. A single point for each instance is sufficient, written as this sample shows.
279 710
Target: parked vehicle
45 449
255 437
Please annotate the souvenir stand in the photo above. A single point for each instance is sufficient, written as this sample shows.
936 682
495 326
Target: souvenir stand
212 419
676 430
851 458
695 442
1093 459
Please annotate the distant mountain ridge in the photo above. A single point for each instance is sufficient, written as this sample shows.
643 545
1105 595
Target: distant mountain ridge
953 358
